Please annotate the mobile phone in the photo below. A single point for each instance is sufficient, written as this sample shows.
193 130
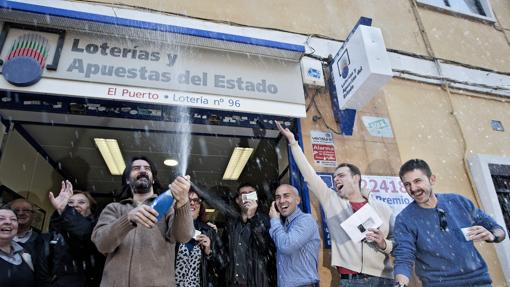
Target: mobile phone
276 207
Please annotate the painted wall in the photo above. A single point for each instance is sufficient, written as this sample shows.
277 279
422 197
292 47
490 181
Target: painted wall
461 39
431 125
25 171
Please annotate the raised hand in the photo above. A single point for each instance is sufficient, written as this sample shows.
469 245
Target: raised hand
286 133
273 213
180 189
249 208
60 202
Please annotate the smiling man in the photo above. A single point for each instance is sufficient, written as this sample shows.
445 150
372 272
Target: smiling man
296 237
139 249
437 231
360 263
27 237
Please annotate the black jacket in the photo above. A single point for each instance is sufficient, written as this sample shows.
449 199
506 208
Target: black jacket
212 266
260 249
71 259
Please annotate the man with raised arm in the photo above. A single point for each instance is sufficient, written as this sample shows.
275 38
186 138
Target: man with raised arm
436 233
140 251
359 263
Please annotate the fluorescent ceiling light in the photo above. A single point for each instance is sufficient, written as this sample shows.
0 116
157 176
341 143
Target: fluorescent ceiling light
210 210
237 161
170 162
110 151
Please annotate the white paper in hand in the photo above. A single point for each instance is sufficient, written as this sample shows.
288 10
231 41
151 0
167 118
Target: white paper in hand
357 225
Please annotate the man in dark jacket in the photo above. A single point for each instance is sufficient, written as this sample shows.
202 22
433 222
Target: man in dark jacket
250 248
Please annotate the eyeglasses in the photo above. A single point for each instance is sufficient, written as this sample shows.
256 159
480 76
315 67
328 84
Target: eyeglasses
443 224
195 200
23 210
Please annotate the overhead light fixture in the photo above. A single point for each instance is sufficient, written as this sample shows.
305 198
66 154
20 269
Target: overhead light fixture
237 161
170 162
210 210
110 151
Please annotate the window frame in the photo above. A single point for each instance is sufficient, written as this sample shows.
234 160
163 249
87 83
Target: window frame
485 5
482 178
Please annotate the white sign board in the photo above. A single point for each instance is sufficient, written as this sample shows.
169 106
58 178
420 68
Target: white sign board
360 68
377 126
167 73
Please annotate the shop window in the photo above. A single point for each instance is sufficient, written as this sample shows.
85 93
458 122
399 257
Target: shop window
476 8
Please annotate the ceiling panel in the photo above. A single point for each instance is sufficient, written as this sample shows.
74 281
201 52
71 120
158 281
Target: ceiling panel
74 149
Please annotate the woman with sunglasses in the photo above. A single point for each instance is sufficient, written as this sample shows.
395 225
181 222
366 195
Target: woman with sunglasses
73 259
199 261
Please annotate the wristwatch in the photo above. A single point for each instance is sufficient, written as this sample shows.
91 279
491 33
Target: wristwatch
398 284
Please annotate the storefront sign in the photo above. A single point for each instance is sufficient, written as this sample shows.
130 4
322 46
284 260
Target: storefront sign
360 68
323 148
137 70
388 189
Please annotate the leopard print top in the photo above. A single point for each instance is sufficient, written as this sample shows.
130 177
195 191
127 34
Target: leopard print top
187 266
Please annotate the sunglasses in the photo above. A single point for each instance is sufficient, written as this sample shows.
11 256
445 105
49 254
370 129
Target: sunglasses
195 200
443 224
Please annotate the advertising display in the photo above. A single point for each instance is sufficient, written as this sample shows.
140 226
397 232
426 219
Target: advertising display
128 69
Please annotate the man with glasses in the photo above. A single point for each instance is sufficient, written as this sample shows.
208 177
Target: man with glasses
437 231
26 236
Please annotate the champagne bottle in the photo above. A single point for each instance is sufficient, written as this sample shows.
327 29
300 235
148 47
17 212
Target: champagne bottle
162 203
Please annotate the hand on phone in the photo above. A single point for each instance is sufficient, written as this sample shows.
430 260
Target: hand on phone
273 211
276 206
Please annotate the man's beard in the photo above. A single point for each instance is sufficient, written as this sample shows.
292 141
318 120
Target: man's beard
141 185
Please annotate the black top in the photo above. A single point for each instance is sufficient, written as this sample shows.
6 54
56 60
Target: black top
16 275
71 257
251 252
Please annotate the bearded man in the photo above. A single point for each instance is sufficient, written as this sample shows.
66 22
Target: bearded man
140 251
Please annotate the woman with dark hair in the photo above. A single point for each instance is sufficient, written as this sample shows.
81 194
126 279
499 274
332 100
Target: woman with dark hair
73 259
16 267
199 262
